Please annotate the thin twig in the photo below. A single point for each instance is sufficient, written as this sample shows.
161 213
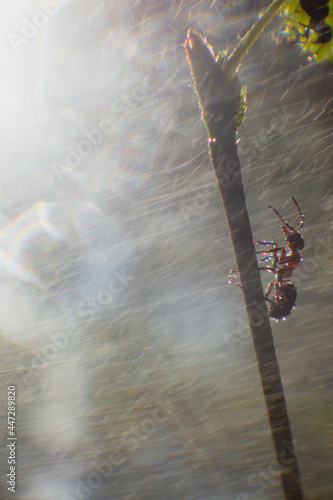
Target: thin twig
245 43
218 95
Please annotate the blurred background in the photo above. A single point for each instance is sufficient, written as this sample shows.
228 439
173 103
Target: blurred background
132 359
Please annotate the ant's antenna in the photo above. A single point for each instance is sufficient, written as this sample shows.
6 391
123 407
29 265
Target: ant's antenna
277 213
296 22
299 211
284 222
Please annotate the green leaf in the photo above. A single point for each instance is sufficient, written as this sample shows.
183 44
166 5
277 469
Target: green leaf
242 107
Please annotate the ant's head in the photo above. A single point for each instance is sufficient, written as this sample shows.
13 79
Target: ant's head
293 237
295 241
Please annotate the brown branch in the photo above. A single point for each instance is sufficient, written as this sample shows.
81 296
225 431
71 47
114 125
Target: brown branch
218 95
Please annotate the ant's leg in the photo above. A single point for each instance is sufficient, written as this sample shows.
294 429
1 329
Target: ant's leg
277 287
272 250
269 289
270 269
277 258
282 258
268 292
268 257
263 243
232 278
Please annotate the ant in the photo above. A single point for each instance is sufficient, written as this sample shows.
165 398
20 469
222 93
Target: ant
284 300
324 33
323 30
284 263
317 10
288 261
